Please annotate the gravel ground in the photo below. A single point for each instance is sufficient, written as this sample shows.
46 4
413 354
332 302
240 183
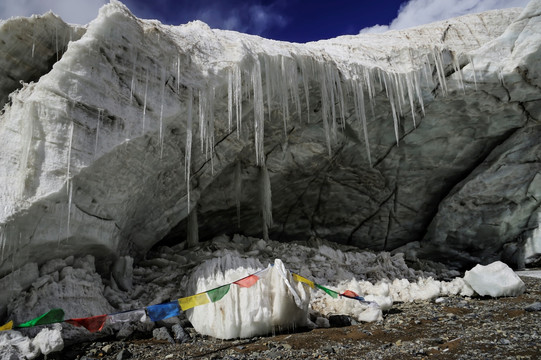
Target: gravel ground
448 328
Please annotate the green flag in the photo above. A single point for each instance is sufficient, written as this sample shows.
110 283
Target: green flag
218 293
51 317
332 293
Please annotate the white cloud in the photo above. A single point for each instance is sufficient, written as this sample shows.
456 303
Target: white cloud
71 11
419 12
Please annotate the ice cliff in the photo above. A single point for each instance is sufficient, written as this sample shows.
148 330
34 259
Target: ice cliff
127 132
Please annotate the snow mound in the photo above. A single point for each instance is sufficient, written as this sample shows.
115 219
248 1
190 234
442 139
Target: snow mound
274 302
14 345
49 340
496 279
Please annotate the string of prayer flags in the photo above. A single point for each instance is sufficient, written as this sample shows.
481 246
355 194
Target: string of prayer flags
51 317
92 324
218 293
304 280
7 326
193 301
163 311
170 309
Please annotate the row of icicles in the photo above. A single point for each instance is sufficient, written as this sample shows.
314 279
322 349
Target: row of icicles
282 84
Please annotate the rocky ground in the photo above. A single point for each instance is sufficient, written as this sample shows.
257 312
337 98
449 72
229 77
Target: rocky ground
447 328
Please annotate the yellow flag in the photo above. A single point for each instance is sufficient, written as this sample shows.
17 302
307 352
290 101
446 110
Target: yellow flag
303 280
194 300
7 326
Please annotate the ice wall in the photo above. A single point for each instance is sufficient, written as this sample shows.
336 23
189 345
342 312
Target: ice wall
139 124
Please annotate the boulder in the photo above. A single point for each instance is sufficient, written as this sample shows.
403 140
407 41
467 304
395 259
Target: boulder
496 280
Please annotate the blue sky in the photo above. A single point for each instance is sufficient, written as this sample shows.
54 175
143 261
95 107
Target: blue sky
288 20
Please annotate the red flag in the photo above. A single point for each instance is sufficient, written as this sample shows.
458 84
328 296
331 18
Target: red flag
349 293
92 324
248 281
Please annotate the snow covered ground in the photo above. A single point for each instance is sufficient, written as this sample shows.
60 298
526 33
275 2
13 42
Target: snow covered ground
276 301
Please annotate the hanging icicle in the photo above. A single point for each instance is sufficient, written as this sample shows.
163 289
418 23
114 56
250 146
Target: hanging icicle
188 152
259 120
265 200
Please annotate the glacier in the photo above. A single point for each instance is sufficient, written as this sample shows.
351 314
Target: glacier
127 134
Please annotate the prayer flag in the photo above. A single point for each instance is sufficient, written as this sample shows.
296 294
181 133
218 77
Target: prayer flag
192 301
7 326
218 293
92 324
163 311
352 295
349 293
51 317
248 281
303 280
125 316
332 293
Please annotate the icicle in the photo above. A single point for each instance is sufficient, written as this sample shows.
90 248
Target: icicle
440 70
161 112
400 92
178 73
33 48
237 85
341 101
202 129
474 73
3 241
306 89
391 96
428 72
284 93
293 79
188 152
324 107
206 122
266 200
268 86
458 70
238 189
68 175
259 120
418 91
358 98
70 196
210 127
69 185
230 99
132 86
409 84
371 90
193 229
145 104
330 88
100 112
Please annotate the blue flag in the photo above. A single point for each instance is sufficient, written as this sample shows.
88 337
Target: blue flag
163 311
